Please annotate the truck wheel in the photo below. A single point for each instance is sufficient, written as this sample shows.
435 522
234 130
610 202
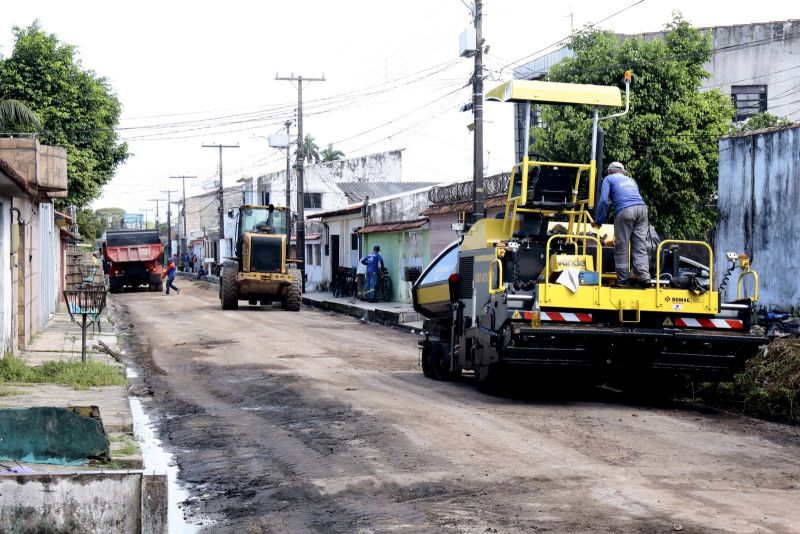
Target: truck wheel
294 296
160 287
228 291
115 286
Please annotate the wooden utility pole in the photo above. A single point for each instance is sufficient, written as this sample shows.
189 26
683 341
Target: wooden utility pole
300 232
185 242
220 196
288 124
477 110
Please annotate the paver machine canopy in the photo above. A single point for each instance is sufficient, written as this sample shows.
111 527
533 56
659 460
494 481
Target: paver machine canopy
260 271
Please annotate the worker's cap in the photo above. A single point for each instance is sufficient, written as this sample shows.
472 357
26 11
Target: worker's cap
616 166
376 248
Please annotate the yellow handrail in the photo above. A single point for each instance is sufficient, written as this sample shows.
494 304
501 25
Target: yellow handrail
500 287
598 265
659 301
739 285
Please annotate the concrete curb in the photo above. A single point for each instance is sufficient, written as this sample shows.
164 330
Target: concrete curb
383 317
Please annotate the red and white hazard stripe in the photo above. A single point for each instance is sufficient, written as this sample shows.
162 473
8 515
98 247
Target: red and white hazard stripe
691 322
562 317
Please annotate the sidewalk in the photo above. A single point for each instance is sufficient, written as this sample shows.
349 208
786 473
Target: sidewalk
397 314
60 340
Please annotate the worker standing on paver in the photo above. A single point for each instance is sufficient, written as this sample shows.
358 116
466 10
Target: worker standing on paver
373 261
630 225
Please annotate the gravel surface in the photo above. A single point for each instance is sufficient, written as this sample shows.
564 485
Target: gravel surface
314 422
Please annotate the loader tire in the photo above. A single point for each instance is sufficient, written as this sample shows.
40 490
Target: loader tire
294 296
228 292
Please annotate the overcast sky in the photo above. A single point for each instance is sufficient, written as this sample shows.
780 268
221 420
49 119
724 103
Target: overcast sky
195 72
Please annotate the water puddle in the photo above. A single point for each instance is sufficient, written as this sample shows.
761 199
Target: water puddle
157 460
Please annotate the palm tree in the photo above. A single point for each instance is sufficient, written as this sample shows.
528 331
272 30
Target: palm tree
16 115
331 154
310 150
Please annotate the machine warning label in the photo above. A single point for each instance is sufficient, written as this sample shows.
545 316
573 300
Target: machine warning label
516 315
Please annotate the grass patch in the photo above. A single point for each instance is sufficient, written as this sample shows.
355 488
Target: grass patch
6 391
127 450
72 373
769 386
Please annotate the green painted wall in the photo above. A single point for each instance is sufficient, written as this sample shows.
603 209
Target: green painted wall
399 249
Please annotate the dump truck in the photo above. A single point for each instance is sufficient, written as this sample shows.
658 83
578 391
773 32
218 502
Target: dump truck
134 259
260 272
535 288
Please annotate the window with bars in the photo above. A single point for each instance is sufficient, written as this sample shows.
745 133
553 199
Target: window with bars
749 100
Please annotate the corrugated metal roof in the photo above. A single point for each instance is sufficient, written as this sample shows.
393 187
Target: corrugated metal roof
357 191
393 227
334 213
466 206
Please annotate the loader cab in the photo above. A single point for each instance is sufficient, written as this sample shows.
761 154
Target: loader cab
262 220
261 244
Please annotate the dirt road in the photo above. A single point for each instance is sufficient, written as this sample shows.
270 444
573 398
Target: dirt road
312 422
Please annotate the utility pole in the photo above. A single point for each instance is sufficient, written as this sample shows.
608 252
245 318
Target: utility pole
477 110
185 242
220 196
288 178
300 232
145 212
156 200
169 223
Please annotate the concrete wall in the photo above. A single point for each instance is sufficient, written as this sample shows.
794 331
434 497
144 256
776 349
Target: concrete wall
759 209
41 165
403 207
322 178
122 502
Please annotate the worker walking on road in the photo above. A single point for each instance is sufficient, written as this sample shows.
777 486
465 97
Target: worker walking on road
169 274
372 260
630 225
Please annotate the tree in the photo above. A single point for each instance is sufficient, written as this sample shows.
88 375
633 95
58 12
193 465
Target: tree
331 154
668 141
310 150
90 227
759 121
78 109
15 116
112 218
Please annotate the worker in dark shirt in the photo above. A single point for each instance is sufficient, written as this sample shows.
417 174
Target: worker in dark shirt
373 261
630 225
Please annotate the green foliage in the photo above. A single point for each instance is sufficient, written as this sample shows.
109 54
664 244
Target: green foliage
759 121
78 109
668 141
331 154
768 387
89 226
310 150
72 373
15 116
112 218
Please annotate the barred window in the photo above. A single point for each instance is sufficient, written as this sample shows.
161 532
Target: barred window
749 100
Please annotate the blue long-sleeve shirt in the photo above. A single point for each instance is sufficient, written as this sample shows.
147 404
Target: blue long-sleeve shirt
372 260
620 190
